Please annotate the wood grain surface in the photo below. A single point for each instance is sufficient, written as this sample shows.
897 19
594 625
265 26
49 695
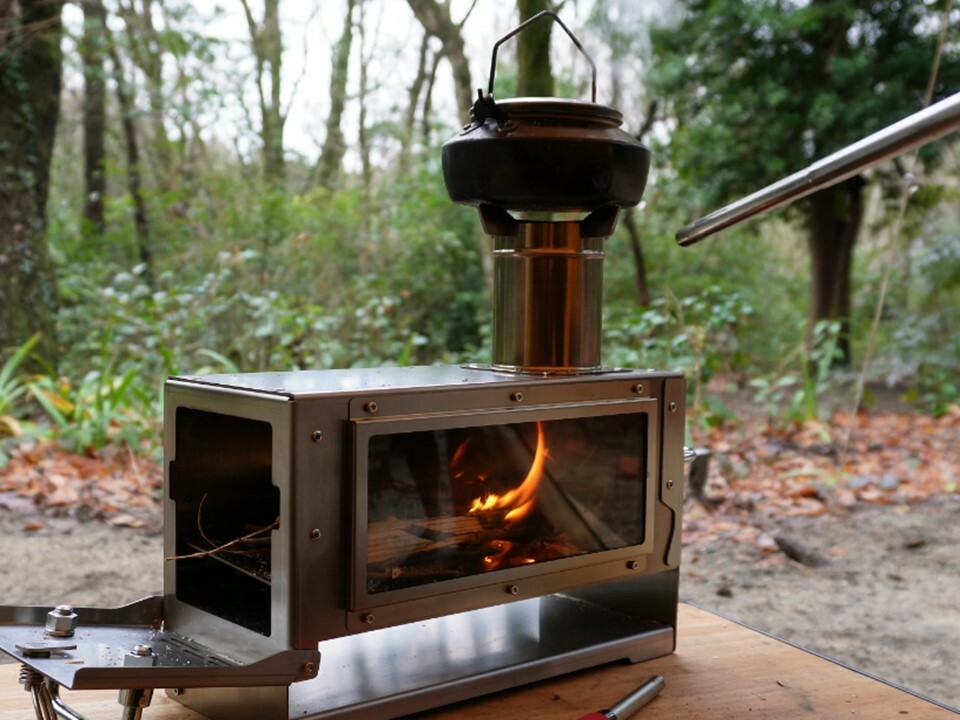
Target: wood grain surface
721 671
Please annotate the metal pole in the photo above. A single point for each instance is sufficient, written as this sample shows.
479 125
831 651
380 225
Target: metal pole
918 129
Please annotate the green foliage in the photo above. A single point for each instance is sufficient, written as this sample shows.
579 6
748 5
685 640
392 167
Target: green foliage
281 282
13 387
923 334
101 409
386 270
760 89
697 334
794 391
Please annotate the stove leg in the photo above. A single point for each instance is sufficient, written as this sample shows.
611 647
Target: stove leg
134 701
33 683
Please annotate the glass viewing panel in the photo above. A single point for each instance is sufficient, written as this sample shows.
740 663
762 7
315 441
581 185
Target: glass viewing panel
456 502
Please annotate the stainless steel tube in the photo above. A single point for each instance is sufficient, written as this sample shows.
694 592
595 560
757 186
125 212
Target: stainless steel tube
637 699
547 296
918 129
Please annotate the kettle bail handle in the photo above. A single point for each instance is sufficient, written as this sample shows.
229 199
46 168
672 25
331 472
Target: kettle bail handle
525 24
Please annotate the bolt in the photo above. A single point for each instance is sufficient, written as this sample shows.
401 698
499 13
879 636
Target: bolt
315 534
673 407
633 565
370 407
368 619
61 621
316 436
142 650
670 484
308 668
517 396
513 590
638 388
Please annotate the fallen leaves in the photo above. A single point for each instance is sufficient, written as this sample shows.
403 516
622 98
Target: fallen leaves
115 487
759 474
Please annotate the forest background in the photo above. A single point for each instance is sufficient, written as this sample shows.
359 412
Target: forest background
247 186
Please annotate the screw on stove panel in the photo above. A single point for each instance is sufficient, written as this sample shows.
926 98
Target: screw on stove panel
140 656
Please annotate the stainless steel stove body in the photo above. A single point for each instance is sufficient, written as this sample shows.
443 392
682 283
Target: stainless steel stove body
365 482
371 543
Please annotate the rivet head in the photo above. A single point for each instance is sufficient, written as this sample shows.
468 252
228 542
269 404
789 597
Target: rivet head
517 396
315 534
316 436
370 407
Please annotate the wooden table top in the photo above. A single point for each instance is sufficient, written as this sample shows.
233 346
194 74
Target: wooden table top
720 671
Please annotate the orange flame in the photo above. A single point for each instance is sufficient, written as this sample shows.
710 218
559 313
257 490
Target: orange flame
520 500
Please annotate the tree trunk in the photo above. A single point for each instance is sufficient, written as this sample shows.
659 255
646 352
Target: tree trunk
94 114
268 52
413 101
639 264
363 132
132 151
31 66
835 216
334 145
436 20
534 75
426 115
147 54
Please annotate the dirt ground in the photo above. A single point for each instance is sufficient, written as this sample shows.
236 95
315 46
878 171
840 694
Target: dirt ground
887 602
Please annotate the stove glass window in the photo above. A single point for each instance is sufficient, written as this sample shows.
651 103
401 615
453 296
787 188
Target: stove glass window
457 502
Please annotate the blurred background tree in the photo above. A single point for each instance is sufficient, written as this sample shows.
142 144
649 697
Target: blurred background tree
758 90
30 72
256 184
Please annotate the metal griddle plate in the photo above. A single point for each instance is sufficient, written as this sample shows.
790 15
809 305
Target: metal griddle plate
105 636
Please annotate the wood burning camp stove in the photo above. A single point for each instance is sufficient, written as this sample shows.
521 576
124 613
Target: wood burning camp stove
401 538
372 543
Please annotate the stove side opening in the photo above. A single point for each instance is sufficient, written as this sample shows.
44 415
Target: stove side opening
227 515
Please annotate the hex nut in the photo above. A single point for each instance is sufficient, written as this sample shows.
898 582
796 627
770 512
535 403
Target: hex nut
61 621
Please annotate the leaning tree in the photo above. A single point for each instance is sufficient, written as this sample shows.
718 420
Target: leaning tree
761 88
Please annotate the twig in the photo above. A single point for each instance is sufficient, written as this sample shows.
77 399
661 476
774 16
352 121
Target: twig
221 548
213 551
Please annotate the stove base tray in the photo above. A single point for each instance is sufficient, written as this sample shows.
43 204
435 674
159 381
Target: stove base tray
411 668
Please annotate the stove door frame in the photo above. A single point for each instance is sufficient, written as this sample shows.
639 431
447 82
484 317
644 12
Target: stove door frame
496 587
